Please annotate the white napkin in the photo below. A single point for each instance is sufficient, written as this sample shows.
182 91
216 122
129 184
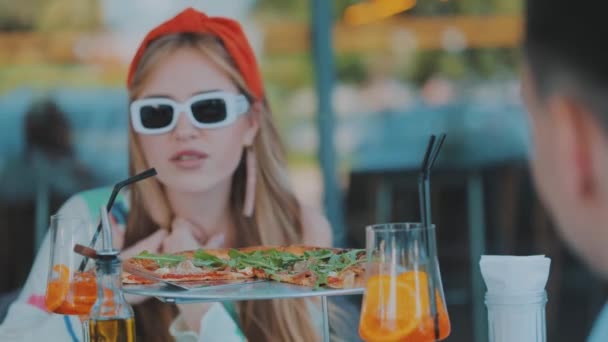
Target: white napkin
507 274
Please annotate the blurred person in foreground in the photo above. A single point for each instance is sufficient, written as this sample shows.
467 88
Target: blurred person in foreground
565 87
34 184
199 115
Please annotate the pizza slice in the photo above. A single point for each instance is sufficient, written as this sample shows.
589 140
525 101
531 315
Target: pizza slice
317 267
185 266
305 265
300 265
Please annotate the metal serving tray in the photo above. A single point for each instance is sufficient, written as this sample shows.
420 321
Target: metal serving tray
255 290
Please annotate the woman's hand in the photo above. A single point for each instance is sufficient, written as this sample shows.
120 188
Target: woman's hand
152 244
317 231
118 233
186 236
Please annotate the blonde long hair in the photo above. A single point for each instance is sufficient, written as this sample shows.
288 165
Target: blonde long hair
276 219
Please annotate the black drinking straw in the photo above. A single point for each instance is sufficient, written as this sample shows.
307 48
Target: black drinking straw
436 151
140 176
424 188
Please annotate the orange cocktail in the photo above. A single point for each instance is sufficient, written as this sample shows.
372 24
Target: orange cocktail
396 308
75 297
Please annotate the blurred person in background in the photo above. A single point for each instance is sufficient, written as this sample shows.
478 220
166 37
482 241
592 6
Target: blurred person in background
35 184
199 115
565 87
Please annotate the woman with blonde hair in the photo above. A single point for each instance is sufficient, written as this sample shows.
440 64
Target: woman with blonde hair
198 115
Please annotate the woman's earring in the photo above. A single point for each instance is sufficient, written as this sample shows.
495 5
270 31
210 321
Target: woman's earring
250 185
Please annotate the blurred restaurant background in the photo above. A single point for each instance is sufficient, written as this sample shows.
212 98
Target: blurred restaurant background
355 102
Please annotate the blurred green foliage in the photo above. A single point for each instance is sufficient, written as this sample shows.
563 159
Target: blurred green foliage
283 74
300 9
291 71
470 7
46 15
297 9
352 68
48 76
478 64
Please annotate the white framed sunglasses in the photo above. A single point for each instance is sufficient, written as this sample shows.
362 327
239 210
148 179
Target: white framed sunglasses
158 115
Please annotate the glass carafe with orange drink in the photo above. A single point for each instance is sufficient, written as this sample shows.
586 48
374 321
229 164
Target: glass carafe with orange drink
69 291
397 305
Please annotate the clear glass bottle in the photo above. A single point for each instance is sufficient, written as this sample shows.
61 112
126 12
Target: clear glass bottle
519 317
112 318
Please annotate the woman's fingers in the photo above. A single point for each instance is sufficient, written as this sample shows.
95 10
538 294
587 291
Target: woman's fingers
181 237
118 236
152 244
216 241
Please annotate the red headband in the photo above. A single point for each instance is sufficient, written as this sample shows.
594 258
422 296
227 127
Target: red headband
227 30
